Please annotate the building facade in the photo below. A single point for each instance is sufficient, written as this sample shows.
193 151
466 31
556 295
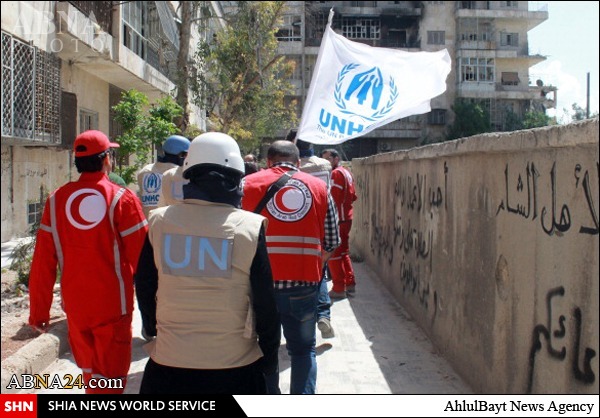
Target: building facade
487 41
64 65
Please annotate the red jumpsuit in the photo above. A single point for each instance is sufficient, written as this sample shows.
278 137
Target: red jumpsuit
344 194
94 230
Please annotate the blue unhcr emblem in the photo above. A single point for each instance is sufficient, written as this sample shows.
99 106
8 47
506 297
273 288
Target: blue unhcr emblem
365 88
152 182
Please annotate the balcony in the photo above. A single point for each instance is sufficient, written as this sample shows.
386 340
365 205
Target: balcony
532 18
98 11
86 44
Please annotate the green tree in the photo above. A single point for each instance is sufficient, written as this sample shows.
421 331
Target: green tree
536 119
579 112
240 80
469 119
144 128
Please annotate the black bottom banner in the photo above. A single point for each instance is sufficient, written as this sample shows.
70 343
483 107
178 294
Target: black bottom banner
137 405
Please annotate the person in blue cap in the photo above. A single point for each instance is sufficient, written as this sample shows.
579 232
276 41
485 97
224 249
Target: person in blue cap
150 177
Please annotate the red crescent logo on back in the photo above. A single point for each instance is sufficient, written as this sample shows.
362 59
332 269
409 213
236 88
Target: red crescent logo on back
86 208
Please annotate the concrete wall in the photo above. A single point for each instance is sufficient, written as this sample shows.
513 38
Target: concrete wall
491 243
26 170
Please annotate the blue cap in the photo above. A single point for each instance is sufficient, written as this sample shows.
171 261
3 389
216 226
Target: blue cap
176 144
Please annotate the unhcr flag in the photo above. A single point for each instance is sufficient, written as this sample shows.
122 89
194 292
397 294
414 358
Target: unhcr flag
356 88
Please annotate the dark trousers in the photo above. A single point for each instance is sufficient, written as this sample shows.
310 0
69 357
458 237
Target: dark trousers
159 379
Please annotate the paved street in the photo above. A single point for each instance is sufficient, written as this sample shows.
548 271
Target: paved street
377 349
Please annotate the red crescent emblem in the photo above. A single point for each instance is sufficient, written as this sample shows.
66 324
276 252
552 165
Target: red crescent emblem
85 208
76 211
280 199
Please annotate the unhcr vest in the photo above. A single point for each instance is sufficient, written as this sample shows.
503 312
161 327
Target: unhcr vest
296 215
150 183
203 252
171 191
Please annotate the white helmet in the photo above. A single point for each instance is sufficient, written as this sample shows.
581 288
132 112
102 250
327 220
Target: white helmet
214 148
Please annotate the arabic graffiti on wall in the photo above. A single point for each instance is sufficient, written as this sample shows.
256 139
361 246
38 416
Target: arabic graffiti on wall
522 198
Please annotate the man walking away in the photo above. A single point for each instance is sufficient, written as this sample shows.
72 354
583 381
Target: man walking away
344 195
301 234
204 283
94 230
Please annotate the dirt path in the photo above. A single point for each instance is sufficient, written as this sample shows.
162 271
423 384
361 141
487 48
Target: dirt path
15 314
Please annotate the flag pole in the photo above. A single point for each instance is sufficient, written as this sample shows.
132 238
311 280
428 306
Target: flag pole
315 75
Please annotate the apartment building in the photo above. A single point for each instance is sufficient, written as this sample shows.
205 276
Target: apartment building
64 65
487 41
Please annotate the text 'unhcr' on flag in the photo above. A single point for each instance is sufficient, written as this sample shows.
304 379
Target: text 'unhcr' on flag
356 88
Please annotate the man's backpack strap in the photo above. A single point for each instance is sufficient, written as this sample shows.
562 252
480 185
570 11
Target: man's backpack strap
273 188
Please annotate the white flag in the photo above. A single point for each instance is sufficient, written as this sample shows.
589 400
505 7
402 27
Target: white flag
356 88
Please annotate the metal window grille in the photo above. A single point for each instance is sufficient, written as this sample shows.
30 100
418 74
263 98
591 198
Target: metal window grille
30 92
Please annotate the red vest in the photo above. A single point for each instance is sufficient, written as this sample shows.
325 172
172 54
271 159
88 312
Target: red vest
296 215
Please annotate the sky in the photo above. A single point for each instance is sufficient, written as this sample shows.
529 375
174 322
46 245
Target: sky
569 41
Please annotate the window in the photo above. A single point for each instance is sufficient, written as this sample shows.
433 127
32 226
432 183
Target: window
509 4
436 37
477 69
437 117
510 79
30 92
509 39
136 26
290 30
34 212
87 120
359 28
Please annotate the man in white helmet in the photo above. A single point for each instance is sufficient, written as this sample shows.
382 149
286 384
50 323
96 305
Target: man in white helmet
150 177
204 283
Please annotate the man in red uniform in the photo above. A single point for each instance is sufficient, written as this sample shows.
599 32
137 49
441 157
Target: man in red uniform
302 233
94 230
344 195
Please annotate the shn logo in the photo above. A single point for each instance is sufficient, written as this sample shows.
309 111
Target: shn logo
18 405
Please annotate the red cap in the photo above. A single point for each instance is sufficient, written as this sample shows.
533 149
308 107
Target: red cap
91 143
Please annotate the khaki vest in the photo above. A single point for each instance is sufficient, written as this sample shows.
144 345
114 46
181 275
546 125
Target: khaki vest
203 252
150 183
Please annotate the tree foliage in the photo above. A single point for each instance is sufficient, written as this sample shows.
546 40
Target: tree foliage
469 119
240 79
579 113
536 119
144 127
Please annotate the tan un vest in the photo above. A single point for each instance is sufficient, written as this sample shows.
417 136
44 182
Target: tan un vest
203 252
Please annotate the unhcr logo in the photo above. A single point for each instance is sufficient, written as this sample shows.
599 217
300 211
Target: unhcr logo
152 182
361 97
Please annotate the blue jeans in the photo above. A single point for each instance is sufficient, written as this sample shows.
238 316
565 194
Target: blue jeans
324 302
298 310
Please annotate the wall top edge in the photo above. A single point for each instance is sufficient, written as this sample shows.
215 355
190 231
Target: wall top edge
558 136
